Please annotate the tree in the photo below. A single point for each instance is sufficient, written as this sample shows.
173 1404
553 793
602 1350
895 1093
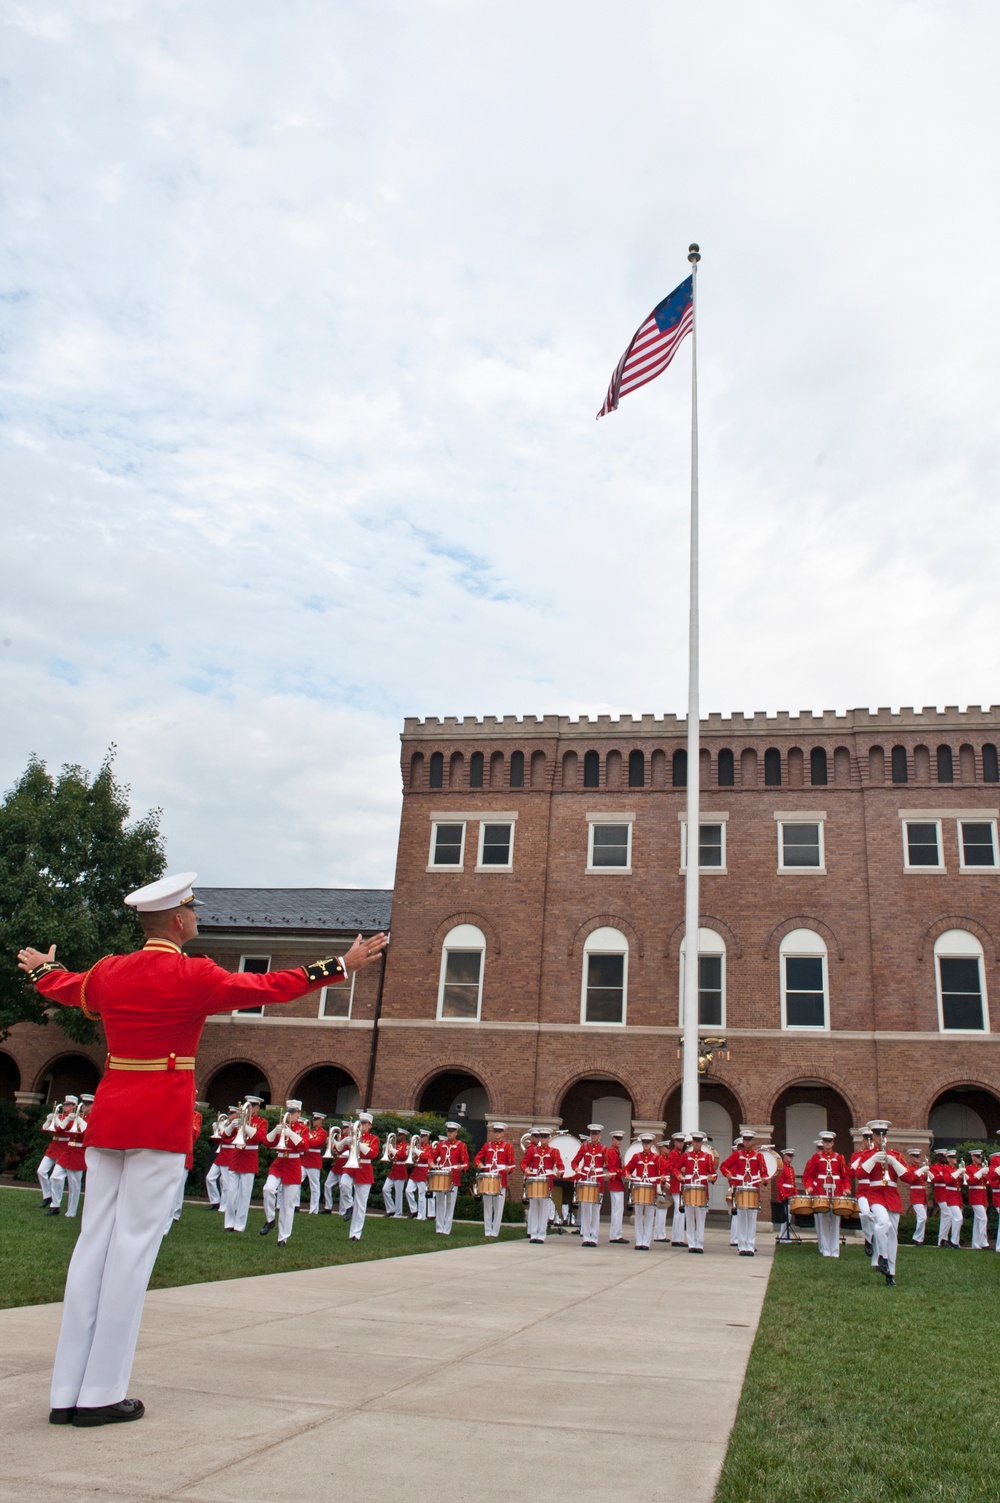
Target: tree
68 855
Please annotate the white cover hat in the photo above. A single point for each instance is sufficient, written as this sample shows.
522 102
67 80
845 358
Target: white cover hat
595 1126
498 1127
168 892
290 1106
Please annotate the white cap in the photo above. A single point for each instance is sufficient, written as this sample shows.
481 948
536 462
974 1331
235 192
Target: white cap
402 1132
498 1127
913 1152
878 1124
828 1137
617 1133
290 1106
450 1125
788 1153
75 1100
86 1100
252 1101
695 1136
595 1126
365 1117
647 1137
748 1132
168 892
320 1115
682 1136
425 1132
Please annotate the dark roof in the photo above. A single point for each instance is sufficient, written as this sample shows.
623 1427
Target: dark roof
308 910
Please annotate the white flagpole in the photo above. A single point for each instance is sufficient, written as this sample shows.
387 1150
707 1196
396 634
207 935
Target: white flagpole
689 1089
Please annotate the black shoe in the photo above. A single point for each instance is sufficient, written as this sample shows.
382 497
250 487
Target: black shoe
110 1414
229 1229
47 1202
620 1241
890 1282
52 1211
324 1212
883 1266
61 1416
696 1249
868 1249
282 1242
678 1244
267 1227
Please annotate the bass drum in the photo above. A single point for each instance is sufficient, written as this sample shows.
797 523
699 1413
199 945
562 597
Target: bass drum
772 1161
631 1151
567 1147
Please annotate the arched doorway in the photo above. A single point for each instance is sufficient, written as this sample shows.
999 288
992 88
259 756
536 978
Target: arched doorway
328 1089
719 1113
10 1077
234 1081
457 1094
598 1098
802 1112
964 1114
70 1073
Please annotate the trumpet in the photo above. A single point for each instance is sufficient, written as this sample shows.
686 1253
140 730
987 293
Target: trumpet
243 1119
219 1125
50 1122
413 1152
389 1151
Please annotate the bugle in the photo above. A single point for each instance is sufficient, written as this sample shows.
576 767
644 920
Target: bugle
389 1151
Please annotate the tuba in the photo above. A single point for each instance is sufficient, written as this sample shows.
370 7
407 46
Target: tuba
389 1151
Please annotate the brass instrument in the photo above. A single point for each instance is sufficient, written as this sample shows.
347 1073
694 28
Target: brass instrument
78 1124
413 1153
50 1122
330 1151
353 1156
243 1121
220 1124
525 1140
282 1129
389 1151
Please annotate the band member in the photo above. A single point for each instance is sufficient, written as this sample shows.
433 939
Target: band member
782 1191
283 1185
827 1173
213 1178
993 1180
885 1167
51 1156
345 1196
495 1157
861 1187
244 1163
976 1176
616 1188
394 1185
916 1177
363 1176
647 1167
663 1202
451 1153
698 1172
746 1169
678 1147
332 1181
71 1163
416 1185
153 1005
224 1156
947 1197
313 1143
588 1164
540 1160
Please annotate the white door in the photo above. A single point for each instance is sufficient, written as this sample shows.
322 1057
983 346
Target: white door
615 1112
717 1124
803 1124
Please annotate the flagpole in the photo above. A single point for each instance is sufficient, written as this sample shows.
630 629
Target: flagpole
689 1089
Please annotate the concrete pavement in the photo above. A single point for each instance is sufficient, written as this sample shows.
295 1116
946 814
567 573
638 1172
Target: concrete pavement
473 1375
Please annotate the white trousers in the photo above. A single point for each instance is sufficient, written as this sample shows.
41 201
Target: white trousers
178 1205
678 1232
865 1215
694 1224
213 1184
312 1176
59 1179
238 1204
733 1238
538 1218
44 1172
618 1215
746 1230
918 1231
828 1233
346 1201
225 1187
393 1191
329 1185
950 1228
359 1208
416 1198
660 1224
444 1211
493 1213
280 1201
643 1218
886 1239
129 1192
589 1216
979 1237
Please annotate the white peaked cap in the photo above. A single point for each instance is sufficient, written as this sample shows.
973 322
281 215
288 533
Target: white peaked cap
86 1100
168 892
498 1127
74 1099
595 1126
828 1137
647 1137
290 1106
452 1124
365 1117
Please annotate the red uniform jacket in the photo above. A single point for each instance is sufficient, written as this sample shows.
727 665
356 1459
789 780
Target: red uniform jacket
674 1158
247 1160
993 1178
398 1170
883 1180
858 1174
827 1173
496 1158
915 1179
784 1182
975 1184
745 1167
613 1167
698 1168
72 1154
313 1143
453 1156
195 1130
368 1147
153 1004
542 1161
60 1138
589 1161
648 1166
947 1190
418 1171
287 1162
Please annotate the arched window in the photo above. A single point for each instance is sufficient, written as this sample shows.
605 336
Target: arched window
538 769
679 768
476 765
772 768
804 999
436 779
711 980
817 767
961 985
416 769
727 769
591 770
460 991
517 769
605 977
569 769
636 769
945 765
899 769
456 769
991 764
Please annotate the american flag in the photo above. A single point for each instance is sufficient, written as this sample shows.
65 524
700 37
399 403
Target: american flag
653 345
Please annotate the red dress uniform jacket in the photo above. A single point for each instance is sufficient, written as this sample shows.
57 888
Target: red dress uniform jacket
195 1130
745 1168
613 1166
648 1166
453 1156
858 1174
287 1162
883 1183
993 1178
542 1161
496 1158
60 1138
398 1170
915 1180
313 1143
698 1169
368 1147
827 1174
418 1171
153 1004
946 1186
784 1183
674 1158
589 1161
247 1160
975 1184
73 1152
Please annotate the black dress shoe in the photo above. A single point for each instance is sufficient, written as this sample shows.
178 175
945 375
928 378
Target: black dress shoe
868 1249
110 1414
52 1211
267 1227
61 1416
46 1202
890 1282
883 1266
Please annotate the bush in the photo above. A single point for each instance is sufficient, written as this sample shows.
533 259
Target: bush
33 1143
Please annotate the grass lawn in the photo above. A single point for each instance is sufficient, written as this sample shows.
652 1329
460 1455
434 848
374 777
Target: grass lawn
856 1393
35 1249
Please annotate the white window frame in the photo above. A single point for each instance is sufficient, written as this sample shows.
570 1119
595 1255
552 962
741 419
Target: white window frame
967 948
432 865
340 989
926 819
493 866
604 941
709 943
974 819
804 949
469 938
252 1012
602 818
801 817
706 818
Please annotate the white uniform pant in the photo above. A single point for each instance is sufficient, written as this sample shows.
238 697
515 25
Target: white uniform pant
225 1187
828 1233
643 1218
589 1215
493 1213
213 1184
733 1238
538 1218
678 1232
178 1204
44 1172
886 1236
393 1191
660 1224
60 1178
329 1185
312 1175
129 1193
865 1215
416 1198
280 1201
346 1201
618 1215
921 1227
746 1230
359 1209
238 1205
444 1210
951 1225
694 1223
979 1237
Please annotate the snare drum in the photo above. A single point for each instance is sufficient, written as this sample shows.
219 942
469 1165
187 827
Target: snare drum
696 1195
845 1205
643 1195
488 1184
588 1192
800 1205
747 1198
821 1204
439 1181
536 1187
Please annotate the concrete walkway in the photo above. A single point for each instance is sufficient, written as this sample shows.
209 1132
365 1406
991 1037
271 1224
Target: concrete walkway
472 1376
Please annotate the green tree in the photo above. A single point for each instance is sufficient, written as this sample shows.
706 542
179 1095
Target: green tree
68 854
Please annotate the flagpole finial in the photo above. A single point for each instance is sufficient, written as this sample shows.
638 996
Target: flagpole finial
694 254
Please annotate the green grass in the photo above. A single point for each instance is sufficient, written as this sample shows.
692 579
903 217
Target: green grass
856 1393
35 1250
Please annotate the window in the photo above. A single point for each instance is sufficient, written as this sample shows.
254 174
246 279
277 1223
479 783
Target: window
977 844
711 846
254 965
517 769
991 764
460 991
436 779
727 769
800 845
772 768
711 980
945 765
447 845
591 770
679 769
476 765
958 959
636 769
803 980
337 1001
899 769
496 847
922 845
610 844
605 977
817 767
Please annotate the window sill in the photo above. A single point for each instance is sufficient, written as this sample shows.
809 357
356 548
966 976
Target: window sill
456 871
978 871
801 871
706 871
806 1028
609 871
969 1033
587 1023
492 868
442 1018
925 871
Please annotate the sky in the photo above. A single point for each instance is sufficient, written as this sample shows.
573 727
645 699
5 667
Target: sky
307 309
